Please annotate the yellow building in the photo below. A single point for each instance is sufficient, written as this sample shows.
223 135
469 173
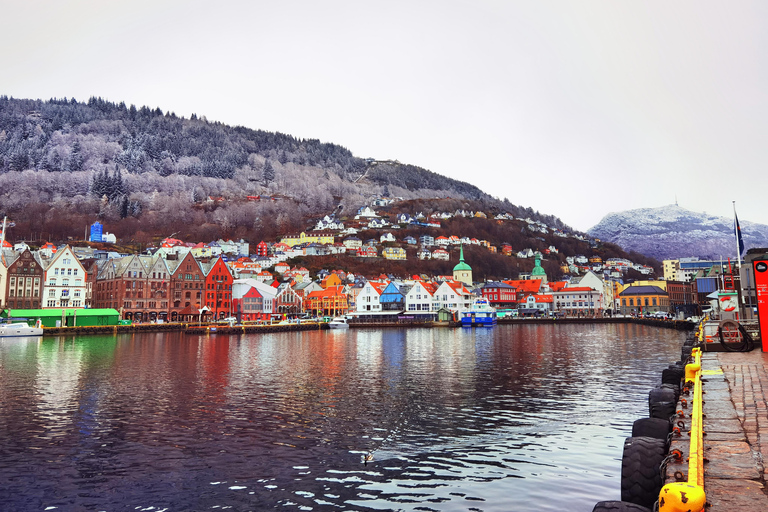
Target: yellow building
639 299
670 269
393 253
319 237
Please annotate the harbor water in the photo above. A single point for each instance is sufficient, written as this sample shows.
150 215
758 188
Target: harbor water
514 417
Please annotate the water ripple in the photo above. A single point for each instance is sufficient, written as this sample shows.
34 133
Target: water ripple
455 419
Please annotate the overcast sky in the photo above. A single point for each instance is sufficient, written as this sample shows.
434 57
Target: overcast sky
574 108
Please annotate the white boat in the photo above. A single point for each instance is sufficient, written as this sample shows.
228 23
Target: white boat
20 329
340 322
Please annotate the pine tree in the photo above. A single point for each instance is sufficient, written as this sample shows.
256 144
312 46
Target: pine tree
268 175
124 207
100 183
117 186
75 162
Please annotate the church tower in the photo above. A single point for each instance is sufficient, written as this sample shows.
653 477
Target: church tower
538 271
462 272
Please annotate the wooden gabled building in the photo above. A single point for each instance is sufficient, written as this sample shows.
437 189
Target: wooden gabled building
24 279
135 285
187 288
218 288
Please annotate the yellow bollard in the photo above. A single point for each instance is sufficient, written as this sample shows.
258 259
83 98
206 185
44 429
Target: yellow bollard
690 371
682 497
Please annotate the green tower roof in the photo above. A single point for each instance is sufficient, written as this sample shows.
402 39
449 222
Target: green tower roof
461 265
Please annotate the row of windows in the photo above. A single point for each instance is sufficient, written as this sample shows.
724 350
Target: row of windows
69 271
421 307
644 302
75 303
22 280
24 293
210 296
75 293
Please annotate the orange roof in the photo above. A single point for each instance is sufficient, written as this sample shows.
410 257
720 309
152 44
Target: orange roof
379 287
457 286
331 291
525 285
556 286
430 287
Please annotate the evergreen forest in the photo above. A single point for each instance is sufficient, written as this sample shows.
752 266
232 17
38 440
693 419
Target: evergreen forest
146 173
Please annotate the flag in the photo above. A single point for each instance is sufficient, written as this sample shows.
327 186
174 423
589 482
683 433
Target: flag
737 232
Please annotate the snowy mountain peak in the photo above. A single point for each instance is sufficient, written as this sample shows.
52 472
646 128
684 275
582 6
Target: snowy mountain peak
670 231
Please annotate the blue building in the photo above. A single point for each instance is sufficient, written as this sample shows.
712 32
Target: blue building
96 232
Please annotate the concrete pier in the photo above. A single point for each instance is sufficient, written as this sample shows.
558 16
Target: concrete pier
736 432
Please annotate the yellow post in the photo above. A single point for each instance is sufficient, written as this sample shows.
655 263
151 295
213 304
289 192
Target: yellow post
690 496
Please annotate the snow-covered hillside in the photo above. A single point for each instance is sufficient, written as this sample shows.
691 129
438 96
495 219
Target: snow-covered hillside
673 232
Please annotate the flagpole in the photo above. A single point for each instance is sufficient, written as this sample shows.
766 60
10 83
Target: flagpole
737 235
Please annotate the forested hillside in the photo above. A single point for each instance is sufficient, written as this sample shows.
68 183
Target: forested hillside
65 164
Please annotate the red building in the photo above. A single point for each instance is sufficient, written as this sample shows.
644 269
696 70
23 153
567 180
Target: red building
251 306
218 288
135 285
187 287
500 294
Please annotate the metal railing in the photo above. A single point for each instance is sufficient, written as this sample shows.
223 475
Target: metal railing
689 496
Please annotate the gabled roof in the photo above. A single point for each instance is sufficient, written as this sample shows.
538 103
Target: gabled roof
525 285
557 285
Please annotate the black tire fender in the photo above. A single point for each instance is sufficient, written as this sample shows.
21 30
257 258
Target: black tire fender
641 478
618 506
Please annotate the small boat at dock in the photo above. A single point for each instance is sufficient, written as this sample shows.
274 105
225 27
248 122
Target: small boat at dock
340 322
481 314
20 329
